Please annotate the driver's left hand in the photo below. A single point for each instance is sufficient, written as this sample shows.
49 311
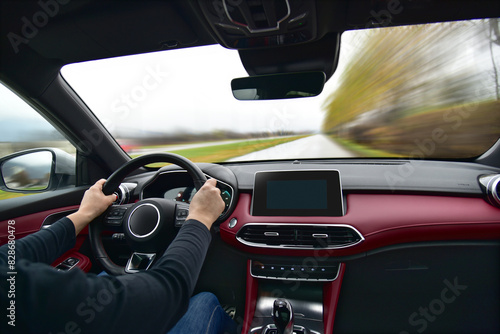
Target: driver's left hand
93 204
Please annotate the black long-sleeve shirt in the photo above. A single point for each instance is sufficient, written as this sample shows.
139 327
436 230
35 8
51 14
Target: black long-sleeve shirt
51 301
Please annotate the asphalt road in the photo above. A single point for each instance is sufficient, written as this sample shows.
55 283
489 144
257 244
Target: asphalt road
168 148
316 146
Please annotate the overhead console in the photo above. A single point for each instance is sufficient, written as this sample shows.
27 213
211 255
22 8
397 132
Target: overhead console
261 23
257 27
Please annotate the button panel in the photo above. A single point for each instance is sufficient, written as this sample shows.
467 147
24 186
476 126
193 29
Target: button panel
114 216
67 264
299 272
181 213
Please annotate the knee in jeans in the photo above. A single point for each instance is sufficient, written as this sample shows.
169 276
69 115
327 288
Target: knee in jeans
206 298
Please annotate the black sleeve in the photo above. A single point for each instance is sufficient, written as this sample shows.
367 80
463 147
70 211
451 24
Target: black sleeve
147 302
45 245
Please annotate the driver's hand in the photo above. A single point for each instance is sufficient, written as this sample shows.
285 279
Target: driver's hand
94 203
206 205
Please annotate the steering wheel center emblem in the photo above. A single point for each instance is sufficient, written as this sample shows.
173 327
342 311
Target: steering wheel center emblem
144 220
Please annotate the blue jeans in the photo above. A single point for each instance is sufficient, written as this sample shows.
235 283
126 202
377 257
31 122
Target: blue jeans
204 316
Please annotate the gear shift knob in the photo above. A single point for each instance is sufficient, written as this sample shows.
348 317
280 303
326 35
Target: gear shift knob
283 316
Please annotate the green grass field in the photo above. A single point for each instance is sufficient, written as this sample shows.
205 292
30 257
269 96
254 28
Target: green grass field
7 194
224 152
220 153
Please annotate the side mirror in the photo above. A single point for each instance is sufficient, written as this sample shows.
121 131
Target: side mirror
278 86
37 170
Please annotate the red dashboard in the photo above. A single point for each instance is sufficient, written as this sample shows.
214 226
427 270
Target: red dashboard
384 220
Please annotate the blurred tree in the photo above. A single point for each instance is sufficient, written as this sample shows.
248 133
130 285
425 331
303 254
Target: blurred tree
21 178
400 71
495 40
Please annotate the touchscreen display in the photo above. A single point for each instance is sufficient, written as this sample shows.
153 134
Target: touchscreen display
297 193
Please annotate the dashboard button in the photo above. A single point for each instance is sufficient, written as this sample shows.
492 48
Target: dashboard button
182 213
233 222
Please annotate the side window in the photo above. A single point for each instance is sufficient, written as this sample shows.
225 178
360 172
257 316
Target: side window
34 156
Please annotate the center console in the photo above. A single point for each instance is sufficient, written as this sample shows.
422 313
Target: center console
296 295
312 298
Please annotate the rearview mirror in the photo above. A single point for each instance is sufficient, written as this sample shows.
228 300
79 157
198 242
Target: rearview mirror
278 86
36 170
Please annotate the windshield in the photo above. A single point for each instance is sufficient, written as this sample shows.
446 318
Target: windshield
427 91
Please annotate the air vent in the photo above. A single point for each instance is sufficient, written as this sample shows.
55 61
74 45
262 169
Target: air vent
299 236
491 187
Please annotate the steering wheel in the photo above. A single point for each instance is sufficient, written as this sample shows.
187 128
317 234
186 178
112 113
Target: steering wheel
148 225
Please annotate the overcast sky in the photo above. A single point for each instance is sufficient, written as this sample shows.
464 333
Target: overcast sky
19 122
183 90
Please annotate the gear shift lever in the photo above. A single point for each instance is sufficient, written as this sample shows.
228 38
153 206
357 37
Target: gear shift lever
283 316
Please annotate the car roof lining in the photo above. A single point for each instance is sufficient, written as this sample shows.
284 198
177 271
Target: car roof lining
92 29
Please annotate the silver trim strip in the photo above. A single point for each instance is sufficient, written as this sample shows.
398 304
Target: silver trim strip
253 244
492 185
56 213
125 189
150 256
266 329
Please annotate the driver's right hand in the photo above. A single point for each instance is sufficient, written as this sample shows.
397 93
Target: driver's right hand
207 204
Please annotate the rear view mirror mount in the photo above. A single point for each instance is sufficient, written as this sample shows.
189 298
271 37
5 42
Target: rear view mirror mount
278 86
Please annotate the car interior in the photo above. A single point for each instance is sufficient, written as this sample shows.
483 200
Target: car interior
403 243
